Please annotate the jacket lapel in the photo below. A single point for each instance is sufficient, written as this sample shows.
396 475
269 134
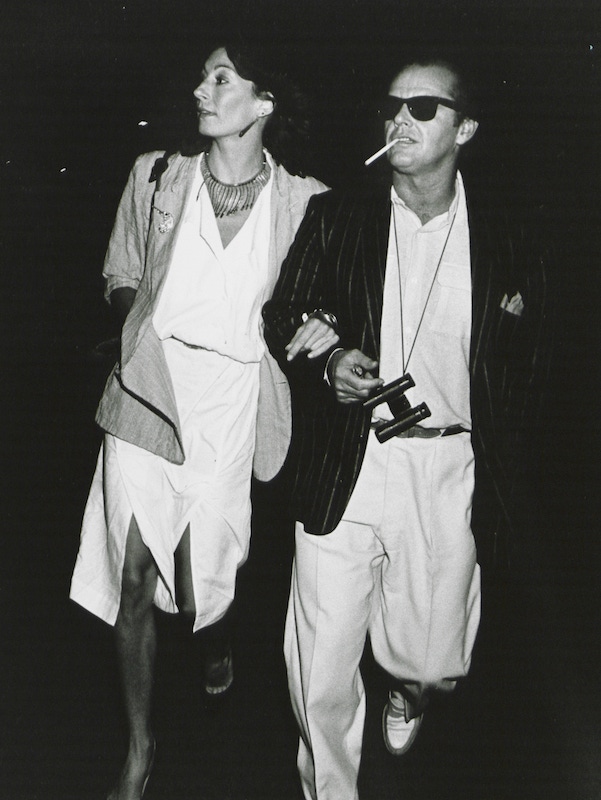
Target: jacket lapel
168 207
144 372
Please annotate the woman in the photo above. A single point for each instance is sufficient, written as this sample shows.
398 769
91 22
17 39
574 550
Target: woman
194 253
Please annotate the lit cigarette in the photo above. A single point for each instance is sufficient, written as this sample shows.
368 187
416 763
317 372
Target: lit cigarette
381 151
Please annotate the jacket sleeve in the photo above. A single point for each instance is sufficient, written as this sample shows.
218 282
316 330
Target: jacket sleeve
301 288
125 257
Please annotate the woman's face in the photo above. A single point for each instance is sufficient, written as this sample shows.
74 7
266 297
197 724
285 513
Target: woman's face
226 103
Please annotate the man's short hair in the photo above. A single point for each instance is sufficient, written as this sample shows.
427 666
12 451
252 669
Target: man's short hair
465 90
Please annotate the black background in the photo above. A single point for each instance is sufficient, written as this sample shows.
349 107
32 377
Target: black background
77 78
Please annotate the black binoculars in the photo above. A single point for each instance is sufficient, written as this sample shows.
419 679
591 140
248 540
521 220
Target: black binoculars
405 416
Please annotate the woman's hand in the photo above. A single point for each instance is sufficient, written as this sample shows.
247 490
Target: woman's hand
314 337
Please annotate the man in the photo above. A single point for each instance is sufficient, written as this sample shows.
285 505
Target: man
419 279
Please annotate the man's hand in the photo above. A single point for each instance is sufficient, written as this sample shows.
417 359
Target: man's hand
351 374
314 338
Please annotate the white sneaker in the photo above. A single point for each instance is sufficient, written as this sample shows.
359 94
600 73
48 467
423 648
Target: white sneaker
399 734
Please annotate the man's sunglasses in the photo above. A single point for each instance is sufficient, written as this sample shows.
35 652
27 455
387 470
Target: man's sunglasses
421 108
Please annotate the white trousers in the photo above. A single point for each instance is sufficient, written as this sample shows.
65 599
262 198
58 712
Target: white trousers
401 566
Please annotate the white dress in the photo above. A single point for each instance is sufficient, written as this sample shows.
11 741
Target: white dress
208 318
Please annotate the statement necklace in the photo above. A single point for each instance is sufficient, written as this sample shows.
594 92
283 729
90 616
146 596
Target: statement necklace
228 198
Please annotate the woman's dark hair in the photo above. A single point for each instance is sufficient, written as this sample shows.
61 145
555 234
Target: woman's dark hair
287 133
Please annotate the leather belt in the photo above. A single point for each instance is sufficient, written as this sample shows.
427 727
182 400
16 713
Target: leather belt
418 432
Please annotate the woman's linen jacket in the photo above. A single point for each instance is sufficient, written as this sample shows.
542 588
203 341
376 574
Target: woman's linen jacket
138 404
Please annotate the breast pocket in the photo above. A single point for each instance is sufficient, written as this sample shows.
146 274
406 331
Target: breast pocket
452 291
508 332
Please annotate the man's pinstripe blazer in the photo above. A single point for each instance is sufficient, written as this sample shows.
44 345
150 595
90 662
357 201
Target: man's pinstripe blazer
337 263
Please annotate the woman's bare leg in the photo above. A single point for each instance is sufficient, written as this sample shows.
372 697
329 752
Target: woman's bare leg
135 636
215 642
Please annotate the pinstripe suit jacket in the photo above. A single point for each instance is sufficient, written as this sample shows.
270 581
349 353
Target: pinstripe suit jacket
337 262
138 403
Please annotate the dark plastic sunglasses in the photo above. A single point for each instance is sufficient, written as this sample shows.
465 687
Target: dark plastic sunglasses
421 108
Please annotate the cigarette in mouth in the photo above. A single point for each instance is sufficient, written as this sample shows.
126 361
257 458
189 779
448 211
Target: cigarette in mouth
381 151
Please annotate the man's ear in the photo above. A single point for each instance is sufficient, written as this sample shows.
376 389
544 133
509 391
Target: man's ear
466 130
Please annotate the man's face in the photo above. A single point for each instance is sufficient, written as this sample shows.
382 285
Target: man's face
425 146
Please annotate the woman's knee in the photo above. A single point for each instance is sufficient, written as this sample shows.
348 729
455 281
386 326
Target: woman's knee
138 587
139 577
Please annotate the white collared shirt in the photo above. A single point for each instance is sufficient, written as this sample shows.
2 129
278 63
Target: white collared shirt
212 297
426 315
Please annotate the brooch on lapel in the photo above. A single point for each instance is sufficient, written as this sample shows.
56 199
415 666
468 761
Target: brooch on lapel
166 223
514 306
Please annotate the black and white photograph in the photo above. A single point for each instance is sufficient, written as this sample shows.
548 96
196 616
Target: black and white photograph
300 381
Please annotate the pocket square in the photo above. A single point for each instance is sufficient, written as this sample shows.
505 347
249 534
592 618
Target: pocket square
513 306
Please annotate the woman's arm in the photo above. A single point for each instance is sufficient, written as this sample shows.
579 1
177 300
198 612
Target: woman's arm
126 252
296 320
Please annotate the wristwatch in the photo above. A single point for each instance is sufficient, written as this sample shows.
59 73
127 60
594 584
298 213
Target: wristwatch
323 316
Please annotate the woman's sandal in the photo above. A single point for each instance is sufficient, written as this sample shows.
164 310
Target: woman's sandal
219 674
